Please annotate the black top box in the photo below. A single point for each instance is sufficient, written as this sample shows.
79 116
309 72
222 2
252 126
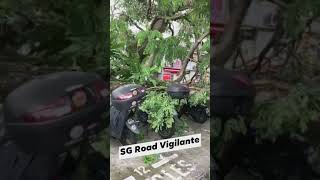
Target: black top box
232 93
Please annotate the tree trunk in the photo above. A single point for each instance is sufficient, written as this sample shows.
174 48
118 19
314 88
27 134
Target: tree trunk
224 50
158 24
189 56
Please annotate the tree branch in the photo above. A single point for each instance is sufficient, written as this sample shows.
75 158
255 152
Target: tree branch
262 83
222 52
132 21
279 3
273 40
171 29
189 56
176 16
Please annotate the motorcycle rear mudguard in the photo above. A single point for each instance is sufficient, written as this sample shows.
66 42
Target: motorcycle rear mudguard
17 165
118 121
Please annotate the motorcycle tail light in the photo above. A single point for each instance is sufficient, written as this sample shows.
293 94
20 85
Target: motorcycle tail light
125 96
50 111
79 99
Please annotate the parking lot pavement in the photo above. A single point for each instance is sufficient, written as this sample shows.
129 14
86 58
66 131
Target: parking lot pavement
189 164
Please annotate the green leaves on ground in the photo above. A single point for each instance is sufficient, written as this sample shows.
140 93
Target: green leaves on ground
160 108
150 159
289 115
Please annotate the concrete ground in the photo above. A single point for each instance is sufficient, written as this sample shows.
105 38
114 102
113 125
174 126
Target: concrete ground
192 164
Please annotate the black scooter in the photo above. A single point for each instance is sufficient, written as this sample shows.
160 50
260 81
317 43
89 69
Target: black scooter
127 120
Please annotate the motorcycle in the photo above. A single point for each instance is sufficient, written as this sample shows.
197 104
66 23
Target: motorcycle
50 123
127 120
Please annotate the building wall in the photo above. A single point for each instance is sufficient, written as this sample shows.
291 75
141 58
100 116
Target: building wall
260 17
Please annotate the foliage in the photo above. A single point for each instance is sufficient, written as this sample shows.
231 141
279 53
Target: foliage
140 136
289 115
64 32
144 75
168 48
199 98
139 50
142 11
297 13
102 144
181 126
309 66
204 64
234 126
150 159
120 60
223 131
160 108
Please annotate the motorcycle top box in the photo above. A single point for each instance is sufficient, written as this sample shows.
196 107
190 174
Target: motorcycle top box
178 91
127 96
55 111
232 93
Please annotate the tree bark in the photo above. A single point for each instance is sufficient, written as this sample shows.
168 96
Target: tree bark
274 39
160 24
189 56
224 50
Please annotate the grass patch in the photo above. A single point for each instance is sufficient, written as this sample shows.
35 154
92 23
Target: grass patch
150 159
